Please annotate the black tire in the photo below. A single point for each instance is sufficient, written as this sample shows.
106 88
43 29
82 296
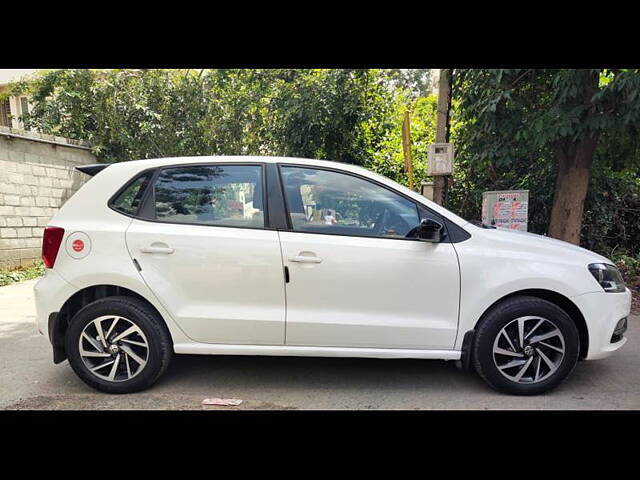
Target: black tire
500 316
160 348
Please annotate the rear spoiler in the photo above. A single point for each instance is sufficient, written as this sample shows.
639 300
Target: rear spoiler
92 169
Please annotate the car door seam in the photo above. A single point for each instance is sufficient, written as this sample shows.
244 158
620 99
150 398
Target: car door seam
284 286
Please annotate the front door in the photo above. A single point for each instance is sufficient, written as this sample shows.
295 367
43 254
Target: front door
207 256
355 278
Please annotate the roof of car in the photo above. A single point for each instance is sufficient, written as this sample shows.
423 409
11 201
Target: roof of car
157 162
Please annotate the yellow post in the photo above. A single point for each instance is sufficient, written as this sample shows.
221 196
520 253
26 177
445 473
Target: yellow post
406 147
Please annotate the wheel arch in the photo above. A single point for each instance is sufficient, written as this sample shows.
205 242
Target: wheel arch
59 321
560 301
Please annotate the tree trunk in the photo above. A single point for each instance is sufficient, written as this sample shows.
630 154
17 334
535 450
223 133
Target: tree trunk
572 183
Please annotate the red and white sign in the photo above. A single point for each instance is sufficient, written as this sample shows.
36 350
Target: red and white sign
506 209
78 245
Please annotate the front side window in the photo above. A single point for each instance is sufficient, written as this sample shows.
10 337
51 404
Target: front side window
224 195
128 201
323 201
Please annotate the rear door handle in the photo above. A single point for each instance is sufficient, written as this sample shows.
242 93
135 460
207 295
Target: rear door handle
305 259
156 249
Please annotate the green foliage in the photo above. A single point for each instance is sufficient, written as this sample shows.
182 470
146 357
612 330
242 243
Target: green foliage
388 158
18 275
512 122
414 82
131 114
324 113
507 126
612 210
629 267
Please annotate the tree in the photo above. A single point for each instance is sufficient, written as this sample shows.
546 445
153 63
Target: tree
327 113
128 114
518 115
415 82
388 158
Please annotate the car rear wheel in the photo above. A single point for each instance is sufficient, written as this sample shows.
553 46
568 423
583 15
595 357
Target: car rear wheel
118 345
526 346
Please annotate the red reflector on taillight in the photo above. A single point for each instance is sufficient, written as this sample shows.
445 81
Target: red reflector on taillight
51 241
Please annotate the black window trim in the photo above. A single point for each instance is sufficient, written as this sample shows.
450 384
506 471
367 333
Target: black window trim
419 206
276 213
148 195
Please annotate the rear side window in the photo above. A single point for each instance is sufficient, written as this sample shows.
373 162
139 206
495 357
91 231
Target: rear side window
223 195
128 201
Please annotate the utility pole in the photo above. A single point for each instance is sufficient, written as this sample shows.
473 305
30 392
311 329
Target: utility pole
440 187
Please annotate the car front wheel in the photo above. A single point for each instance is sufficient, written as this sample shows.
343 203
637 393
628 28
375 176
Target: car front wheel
526 346
118 345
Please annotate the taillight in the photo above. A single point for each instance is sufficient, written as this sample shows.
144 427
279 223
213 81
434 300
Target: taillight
51 241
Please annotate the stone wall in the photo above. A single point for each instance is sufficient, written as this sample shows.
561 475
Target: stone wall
37 175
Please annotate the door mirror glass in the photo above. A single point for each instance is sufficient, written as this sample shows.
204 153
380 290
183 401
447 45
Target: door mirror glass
430 230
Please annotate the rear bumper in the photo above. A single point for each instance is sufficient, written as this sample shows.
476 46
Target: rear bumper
602 311
50 293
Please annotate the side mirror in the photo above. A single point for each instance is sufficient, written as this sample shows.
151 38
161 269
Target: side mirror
430 231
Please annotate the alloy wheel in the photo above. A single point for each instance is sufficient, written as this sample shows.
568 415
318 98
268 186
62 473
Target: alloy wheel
528 349
113 348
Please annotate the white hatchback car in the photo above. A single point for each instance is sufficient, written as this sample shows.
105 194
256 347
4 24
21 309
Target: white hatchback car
286 256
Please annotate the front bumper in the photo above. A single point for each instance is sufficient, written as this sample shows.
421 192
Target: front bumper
50 293
602 311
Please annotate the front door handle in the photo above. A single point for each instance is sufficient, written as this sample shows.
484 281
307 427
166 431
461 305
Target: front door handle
305 259
155 248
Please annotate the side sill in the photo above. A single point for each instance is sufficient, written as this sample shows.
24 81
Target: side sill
301 351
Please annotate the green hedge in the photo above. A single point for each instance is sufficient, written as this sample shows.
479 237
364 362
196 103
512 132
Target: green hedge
13 276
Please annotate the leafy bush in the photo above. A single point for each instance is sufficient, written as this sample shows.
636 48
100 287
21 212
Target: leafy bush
388 158
611 220
629 267
12 276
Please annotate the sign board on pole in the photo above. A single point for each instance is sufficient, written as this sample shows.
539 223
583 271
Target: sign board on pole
439 159
426 189
506 209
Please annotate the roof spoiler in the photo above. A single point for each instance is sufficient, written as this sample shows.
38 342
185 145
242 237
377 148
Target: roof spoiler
92 169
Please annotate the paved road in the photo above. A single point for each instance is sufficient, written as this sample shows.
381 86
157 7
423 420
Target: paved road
30 380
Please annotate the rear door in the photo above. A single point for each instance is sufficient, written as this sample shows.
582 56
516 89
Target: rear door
208 255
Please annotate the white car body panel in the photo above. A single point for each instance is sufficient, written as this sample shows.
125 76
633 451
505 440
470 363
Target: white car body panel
371 292
222 285
504 262
602 311
391 276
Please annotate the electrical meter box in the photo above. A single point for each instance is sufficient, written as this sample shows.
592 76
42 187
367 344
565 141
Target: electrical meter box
439 159
506 209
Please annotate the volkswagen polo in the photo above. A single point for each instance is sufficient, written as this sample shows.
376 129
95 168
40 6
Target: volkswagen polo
285 256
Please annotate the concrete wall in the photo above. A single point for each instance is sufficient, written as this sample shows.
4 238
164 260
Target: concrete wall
37 175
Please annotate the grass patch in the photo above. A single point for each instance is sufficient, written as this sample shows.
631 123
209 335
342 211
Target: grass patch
8 277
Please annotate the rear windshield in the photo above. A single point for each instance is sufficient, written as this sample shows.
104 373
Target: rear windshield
128 201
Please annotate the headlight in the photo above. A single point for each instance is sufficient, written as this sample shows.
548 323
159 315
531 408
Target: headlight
608 277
